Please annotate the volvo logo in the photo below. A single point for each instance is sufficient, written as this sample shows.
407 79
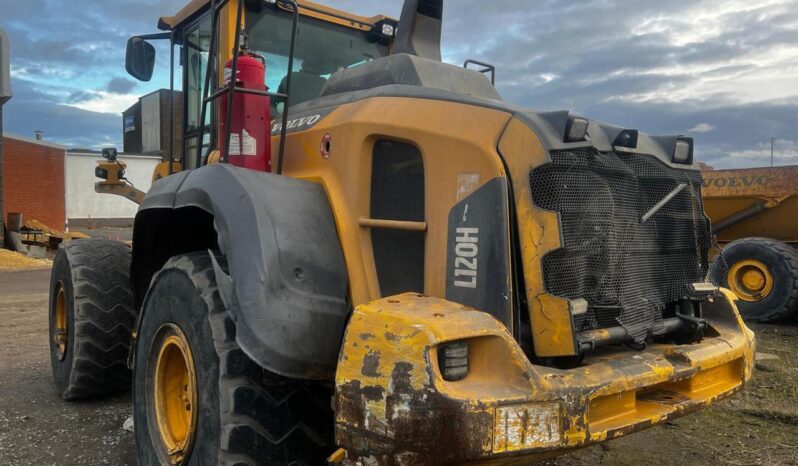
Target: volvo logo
735 181
297 124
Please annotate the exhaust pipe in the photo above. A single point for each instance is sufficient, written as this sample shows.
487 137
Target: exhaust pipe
419 31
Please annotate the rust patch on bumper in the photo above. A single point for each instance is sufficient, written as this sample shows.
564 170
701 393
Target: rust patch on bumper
400 411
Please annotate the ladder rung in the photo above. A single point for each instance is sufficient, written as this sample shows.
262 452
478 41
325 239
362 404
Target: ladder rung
274 95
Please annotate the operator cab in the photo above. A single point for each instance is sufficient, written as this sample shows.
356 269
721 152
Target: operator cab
322 48
334 53
325 44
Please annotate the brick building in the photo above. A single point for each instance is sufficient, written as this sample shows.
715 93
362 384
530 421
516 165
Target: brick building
33 180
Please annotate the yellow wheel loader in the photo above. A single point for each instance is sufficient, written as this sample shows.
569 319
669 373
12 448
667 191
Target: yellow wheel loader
426 275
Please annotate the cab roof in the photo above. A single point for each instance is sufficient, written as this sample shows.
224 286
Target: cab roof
168 23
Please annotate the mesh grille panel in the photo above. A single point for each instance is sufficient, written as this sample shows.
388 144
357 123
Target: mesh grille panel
628 271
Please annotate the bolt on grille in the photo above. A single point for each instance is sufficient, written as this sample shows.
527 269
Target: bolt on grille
627 270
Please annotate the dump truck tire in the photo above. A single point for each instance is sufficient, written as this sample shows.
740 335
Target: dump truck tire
241 414
91 316
773 268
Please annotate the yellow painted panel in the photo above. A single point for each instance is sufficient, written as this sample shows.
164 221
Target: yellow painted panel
512 412
539 233
777 223
727 192
751 182
454 140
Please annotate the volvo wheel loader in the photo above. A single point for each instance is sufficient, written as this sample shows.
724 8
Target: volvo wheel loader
416 272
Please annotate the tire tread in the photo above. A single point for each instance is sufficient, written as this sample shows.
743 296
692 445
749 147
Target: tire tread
249 393
718 268
104 317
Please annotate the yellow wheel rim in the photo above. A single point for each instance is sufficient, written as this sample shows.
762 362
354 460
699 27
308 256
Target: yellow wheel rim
175 393
750 280
61 337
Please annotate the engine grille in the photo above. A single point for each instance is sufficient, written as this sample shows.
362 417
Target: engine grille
628 271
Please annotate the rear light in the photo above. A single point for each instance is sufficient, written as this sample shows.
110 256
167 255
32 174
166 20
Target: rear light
453 360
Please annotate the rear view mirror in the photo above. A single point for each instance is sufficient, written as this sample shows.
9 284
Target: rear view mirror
140 58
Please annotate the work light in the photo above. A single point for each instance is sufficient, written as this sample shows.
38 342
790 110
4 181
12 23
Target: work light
627 138
683 151
453 360
576 130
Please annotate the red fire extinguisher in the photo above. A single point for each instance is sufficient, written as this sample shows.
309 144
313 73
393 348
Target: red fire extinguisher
250 136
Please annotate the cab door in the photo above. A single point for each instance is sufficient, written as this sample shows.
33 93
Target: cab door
195 55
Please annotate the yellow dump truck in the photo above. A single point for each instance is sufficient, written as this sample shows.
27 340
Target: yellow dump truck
427 275
754 215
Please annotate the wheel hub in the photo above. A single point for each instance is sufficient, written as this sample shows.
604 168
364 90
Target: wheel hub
175 393
61 337
750 280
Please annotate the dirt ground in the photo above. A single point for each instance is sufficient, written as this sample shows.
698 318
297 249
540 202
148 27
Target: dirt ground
756 427
36 426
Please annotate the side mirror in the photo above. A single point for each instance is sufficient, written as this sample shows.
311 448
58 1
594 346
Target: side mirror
140 58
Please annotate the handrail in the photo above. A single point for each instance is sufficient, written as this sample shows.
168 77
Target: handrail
392 224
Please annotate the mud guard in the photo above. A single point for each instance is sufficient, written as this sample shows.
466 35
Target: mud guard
287 282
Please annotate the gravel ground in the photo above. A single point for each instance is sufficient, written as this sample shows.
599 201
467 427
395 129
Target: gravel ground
36 426
757 427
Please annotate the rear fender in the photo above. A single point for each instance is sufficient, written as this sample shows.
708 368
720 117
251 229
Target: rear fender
287 284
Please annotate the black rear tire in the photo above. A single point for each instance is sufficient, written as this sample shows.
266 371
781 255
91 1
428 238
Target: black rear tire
94 276
782 261
249 416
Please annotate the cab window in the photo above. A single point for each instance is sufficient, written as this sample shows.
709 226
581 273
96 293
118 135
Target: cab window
321 50
197 45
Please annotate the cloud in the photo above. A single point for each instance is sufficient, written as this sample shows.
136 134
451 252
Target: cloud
726 72
701 128
120 86
31 109
785 152
105 102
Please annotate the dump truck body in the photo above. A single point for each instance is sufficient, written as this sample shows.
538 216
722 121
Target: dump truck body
752 202
753 213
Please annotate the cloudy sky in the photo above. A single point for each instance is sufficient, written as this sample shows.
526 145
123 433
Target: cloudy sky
723 71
